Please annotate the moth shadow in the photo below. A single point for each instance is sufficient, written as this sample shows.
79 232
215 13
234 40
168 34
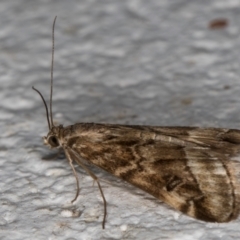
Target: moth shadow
54 156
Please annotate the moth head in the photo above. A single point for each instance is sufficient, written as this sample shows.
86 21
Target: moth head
52 139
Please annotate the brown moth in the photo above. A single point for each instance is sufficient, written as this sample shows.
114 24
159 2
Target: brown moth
194 170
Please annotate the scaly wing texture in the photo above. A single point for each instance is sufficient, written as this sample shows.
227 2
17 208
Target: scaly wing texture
194 170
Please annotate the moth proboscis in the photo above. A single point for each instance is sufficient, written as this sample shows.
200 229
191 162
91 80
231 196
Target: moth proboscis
194 170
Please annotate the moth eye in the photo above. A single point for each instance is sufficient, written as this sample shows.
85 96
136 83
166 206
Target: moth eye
53 141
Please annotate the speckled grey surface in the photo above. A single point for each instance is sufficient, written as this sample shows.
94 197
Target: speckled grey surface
133 62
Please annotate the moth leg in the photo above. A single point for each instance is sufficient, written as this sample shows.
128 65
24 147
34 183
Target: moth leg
74 172
77 158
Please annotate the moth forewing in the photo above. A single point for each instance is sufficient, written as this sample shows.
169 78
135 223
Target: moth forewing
194 170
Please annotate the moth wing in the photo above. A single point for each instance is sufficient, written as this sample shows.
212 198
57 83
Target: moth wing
194 170
199 169
204 171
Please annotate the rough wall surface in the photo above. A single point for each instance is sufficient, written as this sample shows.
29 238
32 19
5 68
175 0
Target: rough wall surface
130 62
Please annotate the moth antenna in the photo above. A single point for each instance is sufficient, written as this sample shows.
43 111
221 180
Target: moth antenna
45 104
52 64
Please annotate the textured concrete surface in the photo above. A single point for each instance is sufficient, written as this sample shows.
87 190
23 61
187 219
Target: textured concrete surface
131 62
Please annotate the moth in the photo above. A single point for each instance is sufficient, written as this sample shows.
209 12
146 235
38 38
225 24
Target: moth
194 170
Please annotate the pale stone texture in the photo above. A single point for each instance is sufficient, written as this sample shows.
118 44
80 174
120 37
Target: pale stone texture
132 62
